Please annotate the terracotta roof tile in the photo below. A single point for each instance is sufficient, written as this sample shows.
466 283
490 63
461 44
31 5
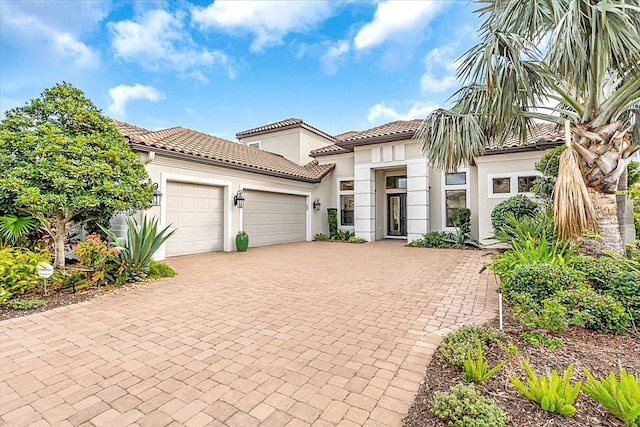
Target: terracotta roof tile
283 124
328 150
542 134
225 153
393 131
127 129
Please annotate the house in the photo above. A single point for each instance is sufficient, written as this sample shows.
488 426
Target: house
289 172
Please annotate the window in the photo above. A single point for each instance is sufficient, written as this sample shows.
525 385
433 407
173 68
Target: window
501 185
525 183
346 201
346 210
456 193
396 182
255 144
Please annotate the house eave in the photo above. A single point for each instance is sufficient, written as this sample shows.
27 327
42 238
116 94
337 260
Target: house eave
350 144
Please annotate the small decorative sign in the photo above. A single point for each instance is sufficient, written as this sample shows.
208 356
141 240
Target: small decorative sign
44 269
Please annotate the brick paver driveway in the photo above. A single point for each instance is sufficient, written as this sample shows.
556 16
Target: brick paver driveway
296 334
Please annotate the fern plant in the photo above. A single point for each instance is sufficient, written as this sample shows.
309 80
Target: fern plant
477 370
553 393
620 397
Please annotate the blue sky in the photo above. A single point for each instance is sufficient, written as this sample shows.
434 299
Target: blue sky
225 66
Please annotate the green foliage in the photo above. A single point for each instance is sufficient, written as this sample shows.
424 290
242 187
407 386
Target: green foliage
539 281
519 206
18 273
520 229
463 220
591 310
553 393
463 406
533 251
542 338
548 167
633 174
477 370
457 344
26 304
321 237
432 239
14 229
95 256
551 315
460 239
141 243
345 235
64 162
332 216
158 270
354 239
620 397
242 233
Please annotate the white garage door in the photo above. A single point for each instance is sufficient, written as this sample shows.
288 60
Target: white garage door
271 218
196 211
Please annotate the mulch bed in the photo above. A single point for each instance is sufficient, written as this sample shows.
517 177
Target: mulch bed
600 353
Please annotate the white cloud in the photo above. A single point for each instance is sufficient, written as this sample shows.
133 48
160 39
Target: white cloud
122 94
382 112
157 40
440 65
84 57
268 21
334 55
396 20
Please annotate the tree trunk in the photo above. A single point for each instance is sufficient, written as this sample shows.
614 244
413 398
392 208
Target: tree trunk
621 199
59 241
609 239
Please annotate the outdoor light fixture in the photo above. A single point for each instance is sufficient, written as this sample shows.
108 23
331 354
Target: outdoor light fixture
238 199
157 195
316 204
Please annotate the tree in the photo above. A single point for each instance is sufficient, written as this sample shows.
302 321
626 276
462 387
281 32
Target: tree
582 54
64 163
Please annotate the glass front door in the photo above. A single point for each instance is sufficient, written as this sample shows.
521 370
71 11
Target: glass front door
396 214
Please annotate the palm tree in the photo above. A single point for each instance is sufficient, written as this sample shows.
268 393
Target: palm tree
583 55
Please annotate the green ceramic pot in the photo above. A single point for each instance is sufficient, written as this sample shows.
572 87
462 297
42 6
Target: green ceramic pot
242 242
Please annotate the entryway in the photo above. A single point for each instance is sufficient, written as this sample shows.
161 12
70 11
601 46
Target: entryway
397 214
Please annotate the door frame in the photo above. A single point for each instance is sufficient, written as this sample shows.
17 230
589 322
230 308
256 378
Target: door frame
403 215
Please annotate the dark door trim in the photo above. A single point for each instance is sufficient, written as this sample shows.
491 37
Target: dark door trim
397 221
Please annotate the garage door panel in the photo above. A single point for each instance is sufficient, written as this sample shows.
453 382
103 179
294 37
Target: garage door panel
196 212
271 218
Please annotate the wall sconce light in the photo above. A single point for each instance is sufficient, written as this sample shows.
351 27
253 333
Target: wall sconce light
316 204
238 199
157 195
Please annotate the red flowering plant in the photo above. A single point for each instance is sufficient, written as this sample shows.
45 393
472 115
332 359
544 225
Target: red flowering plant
101 261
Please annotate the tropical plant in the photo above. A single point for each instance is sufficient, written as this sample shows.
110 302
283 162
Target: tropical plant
95 256
18 271
550 315
332 217
141 243
620 397
14 229
158 270
519 206
553 393
463 220
64 163
592 310
582 54
344 235
539 280
321 237
354 239
463 406
520 229
455 345
548 167
477 370
432 239
542 338
459 238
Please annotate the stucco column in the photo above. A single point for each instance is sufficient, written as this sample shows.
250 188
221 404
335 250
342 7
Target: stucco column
364 198
417 199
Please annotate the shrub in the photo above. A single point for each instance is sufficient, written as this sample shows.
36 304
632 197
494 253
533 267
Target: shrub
591 310
463 220
18 273
543 339
553 393
321 237
354 239
464 406
345 235
26 304
432 239
520 229
477 370
332 216
551 315
520 206
540 281
158 270
457 344
95 255
620 397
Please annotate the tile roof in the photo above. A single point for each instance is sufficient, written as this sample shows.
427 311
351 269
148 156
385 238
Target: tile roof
541 135
281 125
128 129
328 150
393 131
198 146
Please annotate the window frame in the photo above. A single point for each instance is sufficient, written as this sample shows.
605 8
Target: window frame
448 187
514 178
254 144
341 193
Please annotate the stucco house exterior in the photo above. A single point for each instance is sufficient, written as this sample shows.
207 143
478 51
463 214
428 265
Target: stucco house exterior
289 172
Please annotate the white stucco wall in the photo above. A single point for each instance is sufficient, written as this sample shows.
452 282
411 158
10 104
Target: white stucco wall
293 144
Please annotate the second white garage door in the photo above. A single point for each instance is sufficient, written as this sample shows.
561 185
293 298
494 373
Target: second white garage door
271 218
196 211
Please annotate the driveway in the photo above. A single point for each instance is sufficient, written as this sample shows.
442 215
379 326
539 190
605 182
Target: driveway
296 334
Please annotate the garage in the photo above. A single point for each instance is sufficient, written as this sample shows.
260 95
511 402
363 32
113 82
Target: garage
271 218
196 211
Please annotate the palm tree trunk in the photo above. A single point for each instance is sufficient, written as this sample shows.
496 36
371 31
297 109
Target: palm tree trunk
609 237
621 199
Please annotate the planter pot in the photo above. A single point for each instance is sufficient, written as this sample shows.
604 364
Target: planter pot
242 242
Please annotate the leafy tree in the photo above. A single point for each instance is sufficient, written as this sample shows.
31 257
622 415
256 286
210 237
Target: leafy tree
64 163
582 54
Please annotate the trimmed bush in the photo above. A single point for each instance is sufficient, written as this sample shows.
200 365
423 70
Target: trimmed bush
540 281
18 274
591 310
158 270
332 217
457 344
463 406
432 239
520 206
550 315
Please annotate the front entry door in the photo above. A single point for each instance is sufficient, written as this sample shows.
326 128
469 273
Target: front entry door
396 214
